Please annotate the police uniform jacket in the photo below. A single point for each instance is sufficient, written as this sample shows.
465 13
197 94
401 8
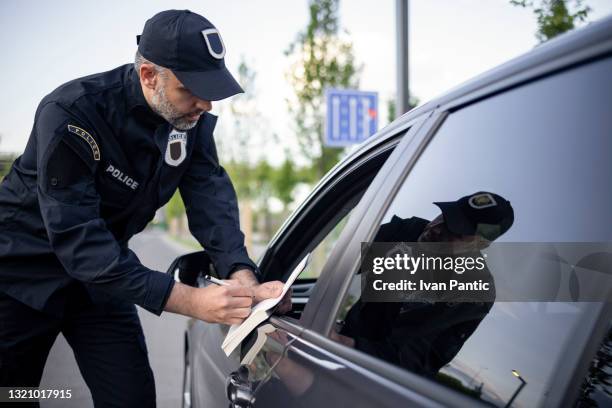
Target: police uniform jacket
98 164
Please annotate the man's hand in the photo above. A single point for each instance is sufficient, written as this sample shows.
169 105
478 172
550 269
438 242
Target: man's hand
264 290
285 304
244 277
229 304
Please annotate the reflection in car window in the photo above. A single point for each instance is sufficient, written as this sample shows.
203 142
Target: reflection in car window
550 159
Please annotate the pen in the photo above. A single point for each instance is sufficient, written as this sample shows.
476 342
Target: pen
215 280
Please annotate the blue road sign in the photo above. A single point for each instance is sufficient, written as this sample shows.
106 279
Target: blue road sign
352 116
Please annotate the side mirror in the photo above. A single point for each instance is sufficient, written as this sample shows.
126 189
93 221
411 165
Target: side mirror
189 267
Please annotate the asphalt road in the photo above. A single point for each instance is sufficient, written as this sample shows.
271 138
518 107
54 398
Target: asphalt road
164 336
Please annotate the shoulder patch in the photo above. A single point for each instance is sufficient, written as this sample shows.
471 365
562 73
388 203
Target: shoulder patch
83 134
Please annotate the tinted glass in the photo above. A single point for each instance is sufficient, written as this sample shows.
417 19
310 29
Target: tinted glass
545 147
319 255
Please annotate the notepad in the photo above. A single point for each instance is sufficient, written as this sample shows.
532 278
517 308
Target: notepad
260 312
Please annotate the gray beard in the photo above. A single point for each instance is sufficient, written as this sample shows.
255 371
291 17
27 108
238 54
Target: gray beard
162 106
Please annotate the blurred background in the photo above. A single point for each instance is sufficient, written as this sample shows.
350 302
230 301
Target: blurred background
271 139
285 54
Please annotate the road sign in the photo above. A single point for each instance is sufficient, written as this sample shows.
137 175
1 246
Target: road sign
352 116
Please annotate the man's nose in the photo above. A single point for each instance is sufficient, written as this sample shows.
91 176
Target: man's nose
203 105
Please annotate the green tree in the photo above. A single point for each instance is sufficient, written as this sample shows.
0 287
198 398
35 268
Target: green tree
174 211
239 145
247 136
245 115
6 159
175 207
263 176
241 173
5 165
391 108
320 58
554 16
284 180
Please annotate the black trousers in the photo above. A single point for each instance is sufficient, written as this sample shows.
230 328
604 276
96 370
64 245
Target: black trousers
107 341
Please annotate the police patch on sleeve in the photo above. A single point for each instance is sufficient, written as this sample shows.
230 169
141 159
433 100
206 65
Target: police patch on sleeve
83 134
176 150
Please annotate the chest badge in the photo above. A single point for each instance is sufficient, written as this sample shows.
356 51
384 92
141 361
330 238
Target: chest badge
176 150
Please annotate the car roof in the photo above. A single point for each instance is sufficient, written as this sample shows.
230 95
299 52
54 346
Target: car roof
565 50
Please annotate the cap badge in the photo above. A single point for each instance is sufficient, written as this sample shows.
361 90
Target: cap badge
214 42
480 201
176 150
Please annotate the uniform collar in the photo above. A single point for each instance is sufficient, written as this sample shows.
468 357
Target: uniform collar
137 104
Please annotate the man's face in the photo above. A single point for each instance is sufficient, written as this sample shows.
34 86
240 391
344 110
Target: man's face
172 101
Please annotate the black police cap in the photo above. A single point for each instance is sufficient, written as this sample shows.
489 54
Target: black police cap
482 213
192 48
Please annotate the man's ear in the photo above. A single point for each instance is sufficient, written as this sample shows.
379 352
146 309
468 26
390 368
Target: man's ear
148 76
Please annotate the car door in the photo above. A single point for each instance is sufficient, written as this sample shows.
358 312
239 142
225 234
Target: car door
551 160
313 228
314 371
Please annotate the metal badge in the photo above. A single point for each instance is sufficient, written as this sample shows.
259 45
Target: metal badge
480 201
176 150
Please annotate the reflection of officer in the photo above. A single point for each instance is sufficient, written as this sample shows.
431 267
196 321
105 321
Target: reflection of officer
105 153
423 337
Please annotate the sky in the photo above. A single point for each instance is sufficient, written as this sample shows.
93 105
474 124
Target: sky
45 44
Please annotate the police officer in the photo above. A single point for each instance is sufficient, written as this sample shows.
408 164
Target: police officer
105 152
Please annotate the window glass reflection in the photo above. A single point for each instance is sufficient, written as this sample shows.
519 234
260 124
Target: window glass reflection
549 158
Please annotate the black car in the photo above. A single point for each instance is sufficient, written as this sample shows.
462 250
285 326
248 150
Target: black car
536 130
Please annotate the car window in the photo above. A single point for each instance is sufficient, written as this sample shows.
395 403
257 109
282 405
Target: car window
544 147
318 224
320 254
